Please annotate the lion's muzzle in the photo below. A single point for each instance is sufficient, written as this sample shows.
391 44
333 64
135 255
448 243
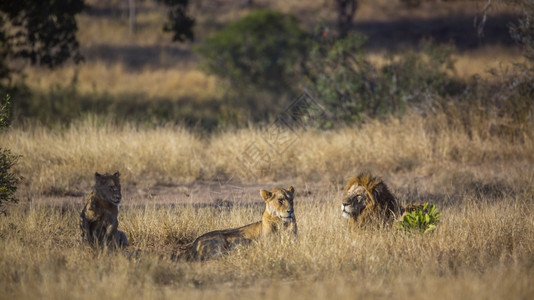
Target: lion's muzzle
116 199
289 217
346 209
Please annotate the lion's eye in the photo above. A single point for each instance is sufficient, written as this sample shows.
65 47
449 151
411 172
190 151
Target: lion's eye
281 200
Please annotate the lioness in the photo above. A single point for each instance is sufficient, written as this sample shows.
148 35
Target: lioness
279 215
98 219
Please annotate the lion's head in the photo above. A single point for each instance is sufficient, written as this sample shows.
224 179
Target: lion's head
367 199
279 203
108 187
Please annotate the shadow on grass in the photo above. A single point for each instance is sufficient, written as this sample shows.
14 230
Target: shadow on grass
396 35
61 106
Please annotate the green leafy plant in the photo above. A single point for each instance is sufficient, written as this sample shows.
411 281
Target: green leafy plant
8 180
422 220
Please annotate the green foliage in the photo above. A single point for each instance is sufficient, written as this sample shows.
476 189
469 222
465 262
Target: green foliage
63 105
417 77
42 32
8 181
262 50
421 220
523 30
341 78
178 21
5 107
351 89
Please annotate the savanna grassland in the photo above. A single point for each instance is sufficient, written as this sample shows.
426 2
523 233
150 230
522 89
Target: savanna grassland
482 248
474 160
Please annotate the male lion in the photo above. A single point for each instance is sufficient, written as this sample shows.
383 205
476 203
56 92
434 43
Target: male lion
368 201
278 216
98 219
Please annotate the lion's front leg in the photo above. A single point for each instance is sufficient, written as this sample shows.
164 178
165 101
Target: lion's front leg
290 231
291 227
121 239
111 233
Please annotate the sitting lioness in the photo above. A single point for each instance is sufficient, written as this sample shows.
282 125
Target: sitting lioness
279 215
98 219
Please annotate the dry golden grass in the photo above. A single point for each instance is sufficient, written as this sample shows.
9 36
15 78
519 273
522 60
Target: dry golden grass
468 63
483 184
116 80
483 248
64 161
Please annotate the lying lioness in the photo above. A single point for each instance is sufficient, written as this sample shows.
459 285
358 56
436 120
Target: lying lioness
279 215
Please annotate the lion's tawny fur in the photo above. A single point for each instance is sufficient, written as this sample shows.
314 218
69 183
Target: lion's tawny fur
277 217
98 218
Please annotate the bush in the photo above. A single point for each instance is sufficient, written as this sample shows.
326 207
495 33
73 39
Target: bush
419 77
523 31
421 220
341 79
351 89
262 50
8 181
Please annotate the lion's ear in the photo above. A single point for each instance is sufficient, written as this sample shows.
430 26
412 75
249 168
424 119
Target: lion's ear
291 190
97 175
266 195
117 174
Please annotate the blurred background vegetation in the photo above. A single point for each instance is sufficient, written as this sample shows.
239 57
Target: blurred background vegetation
212 64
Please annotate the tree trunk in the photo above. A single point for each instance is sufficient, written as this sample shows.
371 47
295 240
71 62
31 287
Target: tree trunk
131 16
346 10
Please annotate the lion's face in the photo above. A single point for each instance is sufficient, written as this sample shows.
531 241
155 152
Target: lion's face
108 187
280 203
354 202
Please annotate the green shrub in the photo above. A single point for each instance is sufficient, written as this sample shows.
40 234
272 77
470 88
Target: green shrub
420 76
523 31
421 220
341 79
262 50
8 181
351 89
